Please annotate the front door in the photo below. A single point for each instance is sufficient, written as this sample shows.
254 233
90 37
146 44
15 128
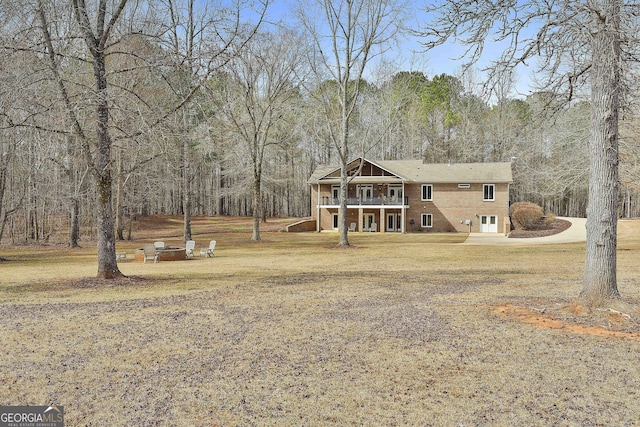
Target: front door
394 194
335 194
488 223
393 222
367 220
367 192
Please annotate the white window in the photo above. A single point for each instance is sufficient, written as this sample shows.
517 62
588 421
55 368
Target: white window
427 220
488 191
427 192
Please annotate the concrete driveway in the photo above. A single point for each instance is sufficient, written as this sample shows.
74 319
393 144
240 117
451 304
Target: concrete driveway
575 233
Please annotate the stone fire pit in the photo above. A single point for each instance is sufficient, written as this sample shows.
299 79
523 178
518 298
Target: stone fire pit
164 254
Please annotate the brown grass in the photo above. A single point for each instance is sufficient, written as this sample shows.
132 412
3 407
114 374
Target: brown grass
400 330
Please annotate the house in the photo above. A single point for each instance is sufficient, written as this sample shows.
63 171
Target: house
411 196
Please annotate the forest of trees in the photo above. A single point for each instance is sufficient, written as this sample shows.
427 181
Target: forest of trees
201 105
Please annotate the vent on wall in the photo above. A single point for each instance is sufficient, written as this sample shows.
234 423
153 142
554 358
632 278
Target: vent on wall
464 185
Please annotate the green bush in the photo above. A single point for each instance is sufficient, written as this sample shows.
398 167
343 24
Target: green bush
525 215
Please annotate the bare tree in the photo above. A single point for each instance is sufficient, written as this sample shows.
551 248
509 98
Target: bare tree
347 35
259 89
188 35
576 43
75 33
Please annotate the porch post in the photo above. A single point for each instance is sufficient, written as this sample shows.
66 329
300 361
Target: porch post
360 213
402 212
318 211
383 220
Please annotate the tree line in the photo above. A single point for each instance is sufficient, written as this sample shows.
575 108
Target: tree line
44 180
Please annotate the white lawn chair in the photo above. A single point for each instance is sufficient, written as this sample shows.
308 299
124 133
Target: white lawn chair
158 245
150 252
352 227
208 252
189 248
373 227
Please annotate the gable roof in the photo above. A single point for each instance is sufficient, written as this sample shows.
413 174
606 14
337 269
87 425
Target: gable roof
331 173
417 171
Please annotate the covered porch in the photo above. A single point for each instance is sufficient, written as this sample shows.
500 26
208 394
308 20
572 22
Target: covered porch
367 219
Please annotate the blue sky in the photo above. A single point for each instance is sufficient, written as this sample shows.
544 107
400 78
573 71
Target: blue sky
410 55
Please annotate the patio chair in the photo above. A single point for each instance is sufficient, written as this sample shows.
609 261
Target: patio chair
208 252
158 245
352 226
150 252
189 247
373 227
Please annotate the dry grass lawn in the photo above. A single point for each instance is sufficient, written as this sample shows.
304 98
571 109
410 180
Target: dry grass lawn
397 330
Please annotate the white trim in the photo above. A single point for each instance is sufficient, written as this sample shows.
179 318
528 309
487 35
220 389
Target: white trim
422 220
318 210
396 221
493 192
486 225
367 220
399 190
429 193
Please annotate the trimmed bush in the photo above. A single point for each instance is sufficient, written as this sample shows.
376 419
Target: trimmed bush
526 215
520 205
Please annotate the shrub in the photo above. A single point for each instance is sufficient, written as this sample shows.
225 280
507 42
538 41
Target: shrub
549 219
525 215
520 205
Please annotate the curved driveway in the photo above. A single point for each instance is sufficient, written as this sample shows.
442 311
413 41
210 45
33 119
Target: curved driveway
575 233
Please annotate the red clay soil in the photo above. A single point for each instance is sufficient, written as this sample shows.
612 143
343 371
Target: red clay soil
573 319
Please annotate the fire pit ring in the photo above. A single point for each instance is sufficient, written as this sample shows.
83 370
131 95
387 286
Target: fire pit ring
164 254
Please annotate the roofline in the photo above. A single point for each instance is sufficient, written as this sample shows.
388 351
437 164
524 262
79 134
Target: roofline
366 160
397 177
403 178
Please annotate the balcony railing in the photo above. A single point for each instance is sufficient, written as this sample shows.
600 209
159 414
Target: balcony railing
370 201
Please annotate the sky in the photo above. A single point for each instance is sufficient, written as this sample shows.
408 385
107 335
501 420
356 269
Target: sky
409 55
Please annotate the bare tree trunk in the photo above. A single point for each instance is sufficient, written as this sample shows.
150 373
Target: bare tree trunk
120 200
347 102
107 265
101 165
599 281
3 186
186 185
223 209
74 234
342 215
3 223
257 198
